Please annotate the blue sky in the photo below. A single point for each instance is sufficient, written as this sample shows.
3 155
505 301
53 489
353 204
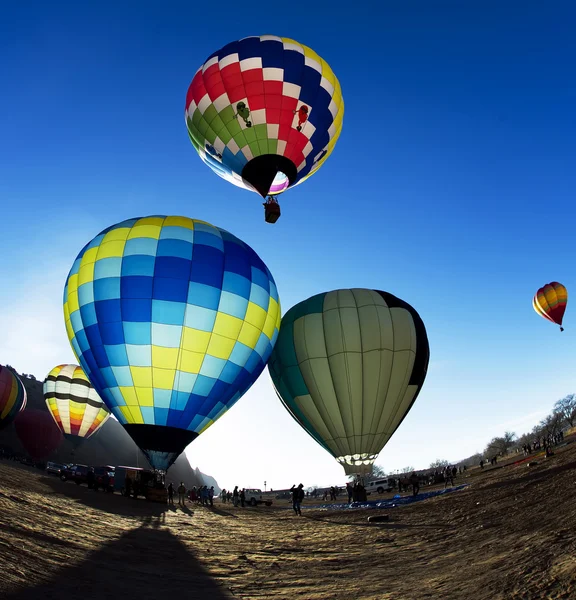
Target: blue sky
451 186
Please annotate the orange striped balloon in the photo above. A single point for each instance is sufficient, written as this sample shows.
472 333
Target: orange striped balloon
550 302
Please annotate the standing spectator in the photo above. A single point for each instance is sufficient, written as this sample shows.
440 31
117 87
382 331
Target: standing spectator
181 494
297 497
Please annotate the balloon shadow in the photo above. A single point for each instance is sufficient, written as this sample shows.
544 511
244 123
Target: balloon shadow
115 504
144 563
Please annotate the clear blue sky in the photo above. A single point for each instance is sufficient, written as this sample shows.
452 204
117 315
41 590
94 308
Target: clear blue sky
452 186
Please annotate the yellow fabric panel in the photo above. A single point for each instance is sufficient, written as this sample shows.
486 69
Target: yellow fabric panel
113 249
249 335
269 327
145 395
220 346
165 358
184 222
206 427
90 256
190 362
85 274
227 326
149 221
327 72
136 414
195 340
125 410
129 395
163 379
141 376
116 235
255 315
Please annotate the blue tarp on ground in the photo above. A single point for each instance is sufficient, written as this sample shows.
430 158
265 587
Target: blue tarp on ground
391 503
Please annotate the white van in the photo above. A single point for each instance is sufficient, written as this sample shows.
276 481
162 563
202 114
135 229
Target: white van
379 486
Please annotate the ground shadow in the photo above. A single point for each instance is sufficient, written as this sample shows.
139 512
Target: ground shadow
145 563
221 513
108 502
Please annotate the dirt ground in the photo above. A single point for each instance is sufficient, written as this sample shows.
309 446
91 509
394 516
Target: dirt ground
509 535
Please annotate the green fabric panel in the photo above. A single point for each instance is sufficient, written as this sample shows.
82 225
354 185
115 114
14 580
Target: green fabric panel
196 118
227 115
254 148
233 127
211 135
262 146
261 131
224 134
210 113
272 146
240 140
203 127
250 134
218 126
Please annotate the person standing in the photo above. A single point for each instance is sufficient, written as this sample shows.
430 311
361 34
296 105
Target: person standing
170 493
297 497
181 494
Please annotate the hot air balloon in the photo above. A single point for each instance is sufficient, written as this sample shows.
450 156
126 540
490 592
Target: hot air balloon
172 319
550 302
37 432
73 403
348 366
12 396
264 113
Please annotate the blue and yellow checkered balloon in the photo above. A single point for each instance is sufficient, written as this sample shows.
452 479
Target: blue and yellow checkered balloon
173 320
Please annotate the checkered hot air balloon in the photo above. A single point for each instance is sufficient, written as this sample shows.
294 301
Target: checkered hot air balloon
264 113
172 319
73 403
12 396
550 302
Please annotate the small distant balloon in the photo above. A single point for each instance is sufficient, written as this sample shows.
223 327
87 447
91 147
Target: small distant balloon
550 302
12 396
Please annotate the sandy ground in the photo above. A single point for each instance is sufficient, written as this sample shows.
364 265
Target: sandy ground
509 535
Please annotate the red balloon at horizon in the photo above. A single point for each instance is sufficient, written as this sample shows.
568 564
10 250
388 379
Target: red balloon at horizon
38 433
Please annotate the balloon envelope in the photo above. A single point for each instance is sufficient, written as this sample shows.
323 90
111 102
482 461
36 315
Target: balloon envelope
348 366
172 319
12 396
550 302
73 403
37 432
264 113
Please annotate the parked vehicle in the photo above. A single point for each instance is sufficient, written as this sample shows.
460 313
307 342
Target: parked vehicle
54 468
379 485
254 497
104 478
76 473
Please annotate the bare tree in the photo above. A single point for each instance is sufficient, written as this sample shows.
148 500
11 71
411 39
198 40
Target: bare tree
439 463
501 445
566 407
552 424
407 469
378 471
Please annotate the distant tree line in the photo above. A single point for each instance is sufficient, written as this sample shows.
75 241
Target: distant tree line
562 417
